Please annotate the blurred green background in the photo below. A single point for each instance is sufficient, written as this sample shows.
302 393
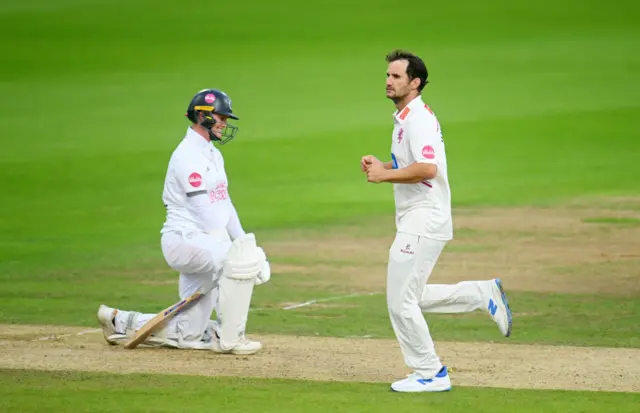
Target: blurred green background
538 101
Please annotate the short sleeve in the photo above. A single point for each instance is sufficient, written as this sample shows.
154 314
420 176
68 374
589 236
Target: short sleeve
425 140
190 178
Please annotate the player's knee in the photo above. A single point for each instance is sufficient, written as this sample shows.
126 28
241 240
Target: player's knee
401 307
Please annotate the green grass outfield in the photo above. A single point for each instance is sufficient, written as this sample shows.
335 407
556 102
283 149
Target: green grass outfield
538 102
73 392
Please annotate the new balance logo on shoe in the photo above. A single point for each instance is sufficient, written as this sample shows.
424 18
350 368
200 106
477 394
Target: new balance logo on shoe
492 307
441 374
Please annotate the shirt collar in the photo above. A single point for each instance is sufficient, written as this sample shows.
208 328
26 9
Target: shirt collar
402 115
196 139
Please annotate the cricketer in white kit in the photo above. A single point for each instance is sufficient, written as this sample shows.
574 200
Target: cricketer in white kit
418 172
201 227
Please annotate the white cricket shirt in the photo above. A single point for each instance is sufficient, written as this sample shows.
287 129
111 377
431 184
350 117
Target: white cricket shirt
196 169
423 208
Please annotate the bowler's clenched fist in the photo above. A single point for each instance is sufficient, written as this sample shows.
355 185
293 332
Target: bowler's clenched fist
367 161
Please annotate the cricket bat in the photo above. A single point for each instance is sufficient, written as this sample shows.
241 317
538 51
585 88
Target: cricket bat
151 325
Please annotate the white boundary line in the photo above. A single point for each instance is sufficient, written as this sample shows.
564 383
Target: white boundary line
289 307
322 300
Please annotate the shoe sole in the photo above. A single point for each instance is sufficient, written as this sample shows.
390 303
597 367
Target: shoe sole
423 390
506 305
237 352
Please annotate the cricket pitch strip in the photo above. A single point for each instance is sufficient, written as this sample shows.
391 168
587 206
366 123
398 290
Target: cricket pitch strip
515 366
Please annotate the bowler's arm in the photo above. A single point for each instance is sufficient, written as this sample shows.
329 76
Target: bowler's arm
425 146
412 174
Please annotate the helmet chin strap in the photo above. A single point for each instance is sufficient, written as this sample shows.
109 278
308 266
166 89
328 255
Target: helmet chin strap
208 123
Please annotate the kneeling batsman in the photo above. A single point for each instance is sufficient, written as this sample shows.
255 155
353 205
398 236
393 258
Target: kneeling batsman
245 265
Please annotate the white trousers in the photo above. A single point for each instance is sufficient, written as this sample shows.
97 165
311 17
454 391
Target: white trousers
411 261
198 257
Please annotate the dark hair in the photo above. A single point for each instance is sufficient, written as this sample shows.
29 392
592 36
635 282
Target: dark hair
415 69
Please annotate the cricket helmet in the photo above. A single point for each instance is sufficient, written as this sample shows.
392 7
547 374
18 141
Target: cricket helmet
208 102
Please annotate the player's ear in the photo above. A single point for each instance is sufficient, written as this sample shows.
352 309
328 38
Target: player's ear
415 83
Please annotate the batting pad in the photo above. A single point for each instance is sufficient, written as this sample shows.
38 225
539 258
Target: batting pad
243 263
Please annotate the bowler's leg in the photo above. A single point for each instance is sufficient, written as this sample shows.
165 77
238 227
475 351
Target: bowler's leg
467 296
411 260
462 297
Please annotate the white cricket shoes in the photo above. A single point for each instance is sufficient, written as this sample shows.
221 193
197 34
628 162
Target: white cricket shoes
497 306
243 347
106 317
210 341
414 383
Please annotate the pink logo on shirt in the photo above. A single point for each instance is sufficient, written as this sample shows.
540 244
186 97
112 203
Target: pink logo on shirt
210 98
428 152
195 180
400 135
220 193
